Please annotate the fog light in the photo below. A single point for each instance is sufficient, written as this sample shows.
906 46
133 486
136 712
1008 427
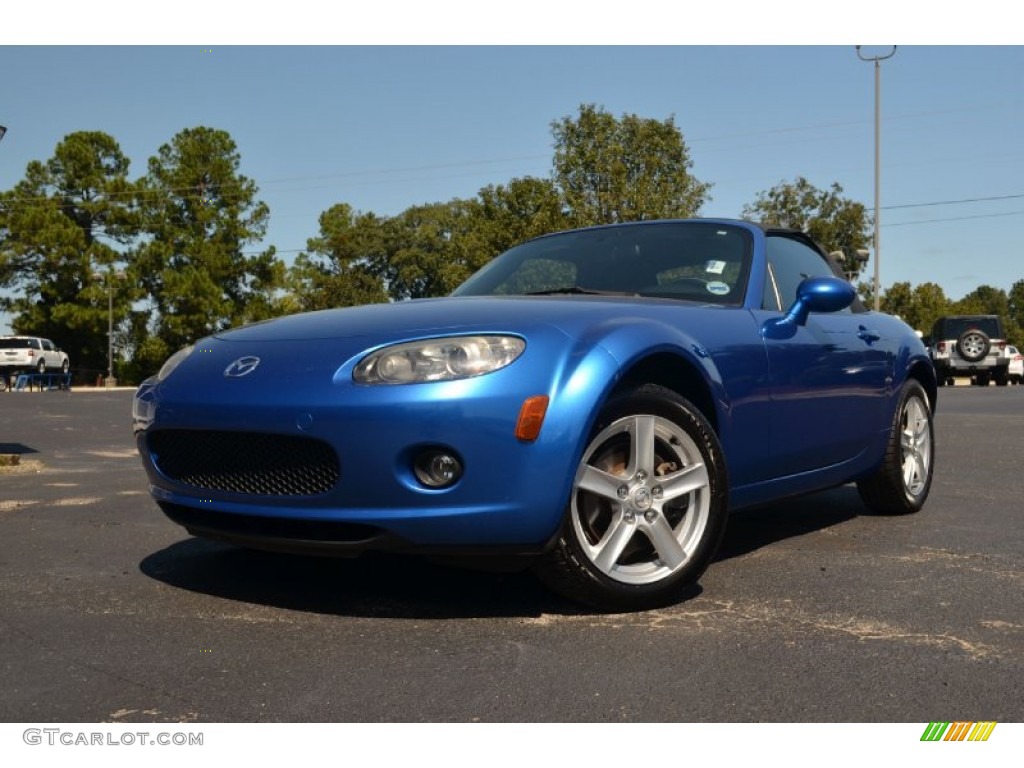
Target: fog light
437 468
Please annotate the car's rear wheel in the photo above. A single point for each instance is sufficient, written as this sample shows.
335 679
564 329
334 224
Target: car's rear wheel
902 483
42 366
65 366
648 505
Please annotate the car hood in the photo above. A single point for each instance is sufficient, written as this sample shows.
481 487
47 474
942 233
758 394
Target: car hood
430 317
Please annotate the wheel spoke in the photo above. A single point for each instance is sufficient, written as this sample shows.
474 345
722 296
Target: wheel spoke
642 451
688 480
670 551
599 482
909 467
907 441
922 470
610 547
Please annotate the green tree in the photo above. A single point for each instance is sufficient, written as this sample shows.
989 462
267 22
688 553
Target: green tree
984 300
898 299
434 248
919 307
837 223
346 264
611 169
930 304
200 213
64 230
506 215
1015 299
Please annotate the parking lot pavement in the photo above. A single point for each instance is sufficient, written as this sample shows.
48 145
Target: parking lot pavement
815 611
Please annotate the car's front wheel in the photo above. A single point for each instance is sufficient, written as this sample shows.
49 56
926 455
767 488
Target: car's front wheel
902 483
648 505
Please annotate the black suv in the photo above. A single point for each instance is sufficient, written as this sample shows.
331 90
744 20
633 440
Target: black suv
970 345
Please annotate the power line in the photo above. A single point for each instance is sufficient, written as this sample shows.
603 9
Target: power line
954 218
953 202
479 163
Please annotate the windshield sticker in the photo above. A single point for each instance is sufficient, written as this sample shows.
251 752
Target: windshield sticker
718 288
714 267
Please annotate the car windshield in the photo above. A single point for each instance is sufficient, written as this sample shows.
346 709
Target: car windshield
693 261
16 344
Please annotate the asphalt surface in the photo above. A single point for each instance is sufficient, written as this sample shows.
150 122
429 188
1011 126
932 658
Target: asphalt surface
814 611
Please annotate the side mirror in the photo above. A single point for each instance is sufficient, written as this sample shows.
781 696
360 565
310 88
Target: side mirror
814 294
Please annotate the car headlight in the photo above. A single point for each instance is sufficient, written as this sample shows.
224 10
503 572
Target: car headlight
458 357
173 362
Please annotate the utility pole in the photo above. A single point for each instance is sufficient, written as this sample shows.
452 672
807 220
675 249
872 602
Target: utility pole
108 277
878 122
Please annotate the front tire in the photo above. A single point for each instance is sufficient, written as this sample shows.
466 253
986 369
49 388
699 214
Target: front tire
901 484
648 505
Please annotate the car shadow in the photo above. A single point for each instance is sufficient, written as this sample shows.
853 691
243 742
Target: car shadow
751 529
372 585
413 587
18 448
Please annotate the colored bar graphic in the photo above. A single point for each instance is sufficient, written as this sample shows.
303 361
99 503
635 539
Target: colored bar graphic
982 731
958 731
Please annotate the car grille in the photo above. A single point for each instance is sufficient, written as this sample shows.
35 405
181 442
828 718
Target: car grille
245 462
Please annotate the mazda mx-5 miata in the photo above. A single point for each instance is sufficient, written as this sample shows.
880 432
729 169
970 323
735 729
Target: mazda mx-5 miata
596 400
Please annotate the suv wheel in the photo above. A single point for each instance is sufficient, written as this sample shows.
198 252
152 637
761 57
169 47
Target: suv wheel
973 345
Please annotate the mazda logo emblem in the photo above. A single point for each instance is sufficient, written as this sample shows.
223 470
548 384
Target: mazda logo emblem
243 366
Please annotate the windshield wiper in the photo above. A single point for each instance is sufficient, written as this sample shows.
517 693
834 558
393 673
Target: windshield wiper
576 289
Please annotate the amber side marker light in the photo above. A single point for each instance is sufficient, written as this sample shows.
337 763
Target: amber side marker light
531 417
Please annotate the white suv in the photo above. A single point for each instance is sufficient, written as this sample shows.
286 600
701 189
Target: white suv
970 345
30 354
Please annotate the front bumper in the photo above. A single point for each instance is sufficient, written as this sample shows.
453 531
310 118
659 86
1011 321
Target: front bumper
511 496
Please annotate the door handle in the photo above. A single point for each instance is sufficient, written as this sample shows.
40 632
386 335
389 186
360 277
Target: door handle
868 335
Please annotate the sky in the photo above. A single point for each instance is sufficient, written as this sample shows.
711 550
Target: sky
432 116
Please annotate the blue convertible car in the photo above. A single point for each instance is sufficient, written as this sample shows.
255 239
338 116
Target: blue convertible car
597 400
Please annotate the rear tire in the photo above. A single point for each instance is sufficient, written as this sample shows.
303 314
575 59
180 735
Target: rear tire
901 484
648 505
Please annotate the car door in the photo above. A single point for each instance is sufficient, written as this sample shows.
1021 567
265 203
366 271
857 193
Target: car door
828 379
49 353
